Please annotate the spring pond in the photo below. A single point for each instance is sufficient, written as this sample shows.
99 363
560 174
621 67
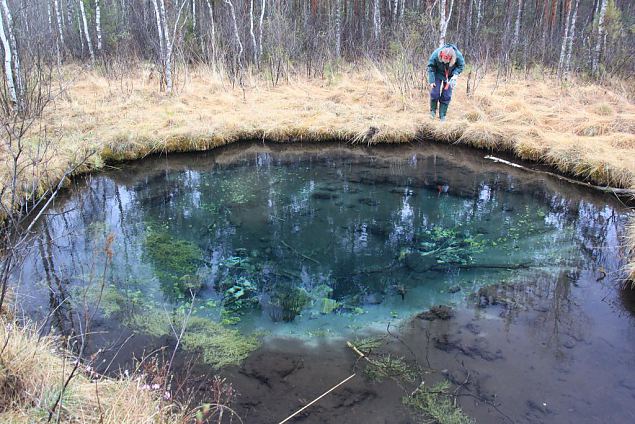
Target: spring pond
289 251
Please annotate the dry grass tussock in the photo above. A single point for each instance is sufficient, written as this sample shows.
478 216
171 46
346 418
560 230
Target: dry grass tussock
33 371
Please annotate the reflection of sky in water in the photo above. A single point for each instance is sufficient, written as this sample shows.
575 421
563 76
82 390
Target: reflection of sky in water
380 239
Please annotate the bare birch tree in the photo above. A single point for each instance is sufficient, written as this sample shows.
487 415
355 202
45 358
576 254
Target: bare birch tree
600 38
445 14
251 31
565 38
8 60
260 28
571 37
376 19
338 28
98 24
86 31
236 33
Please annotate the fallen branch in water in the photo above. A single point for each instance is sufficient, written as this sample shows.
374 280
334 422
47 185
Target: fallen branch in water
614 190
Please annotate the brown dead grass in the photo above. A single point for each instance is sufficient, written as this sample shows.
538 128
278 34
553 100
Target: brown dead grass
581 130
33 370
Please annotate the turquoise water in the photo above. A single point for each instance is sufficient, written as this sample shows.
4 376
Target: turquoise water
304 242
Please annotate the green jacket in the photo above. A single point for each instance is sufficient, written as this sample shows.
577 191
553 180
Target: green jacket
436 68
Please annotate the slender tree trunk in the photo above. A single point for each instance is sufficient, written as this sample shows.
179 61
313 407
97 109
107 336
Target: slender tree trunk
98 24
236 32
571 37
159 20
262 19
519 14
565 38
254 44
60 25
194 15
338 28
86 31
479 15
8 62
444 20
598 45
168 48
17 69
376 19
213 30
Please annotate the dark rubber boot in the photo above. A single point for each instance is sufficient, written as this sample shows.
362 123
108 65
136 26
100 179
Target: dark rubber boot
433 108
443 110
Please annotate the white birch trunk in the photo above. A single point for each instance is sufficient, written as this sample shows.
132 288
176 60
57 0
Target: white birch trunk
444 20
157 13
79 27
571 37
213 29
160 33
8 63
194 15
168 49
251 31
376 19
14 47
50 16
598 46
262 19
565 39
236 32
86 32
395 10
519 14
338 28
60 25
479 14
98 24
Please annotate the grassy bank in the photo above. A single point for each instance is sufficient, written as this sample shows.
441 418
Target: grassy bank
581 129
33 372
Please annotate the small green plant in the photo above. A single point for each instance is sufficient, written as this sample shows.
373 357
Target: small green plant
437 404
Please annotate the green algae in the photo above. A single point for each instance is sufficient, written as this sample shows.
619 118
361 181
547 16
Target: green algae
219 346
175 261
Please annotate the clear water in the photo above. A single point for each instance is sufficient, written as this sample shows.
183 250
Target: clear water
305 242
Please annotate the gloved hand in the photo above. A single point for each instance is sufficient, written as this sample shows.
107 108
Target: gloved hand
453 81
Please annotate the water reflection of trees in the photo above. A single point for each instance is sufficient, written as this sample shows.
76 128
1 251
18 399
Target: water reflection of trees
262 208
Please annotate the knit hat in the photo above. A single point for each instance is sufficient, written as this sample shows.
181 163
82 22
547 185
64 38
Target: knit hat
448 55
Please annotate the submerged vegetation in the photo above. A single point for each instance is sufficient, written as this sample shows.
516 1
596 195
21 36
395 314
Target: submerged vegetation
438 404
175 261
218 346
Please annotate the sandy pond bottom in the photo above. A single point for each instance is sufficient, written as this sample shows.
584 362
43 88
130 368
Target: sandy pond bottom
307 246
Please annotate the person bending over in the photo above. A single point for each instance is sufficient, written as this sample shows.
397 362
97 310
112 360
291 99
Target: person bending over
445 65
